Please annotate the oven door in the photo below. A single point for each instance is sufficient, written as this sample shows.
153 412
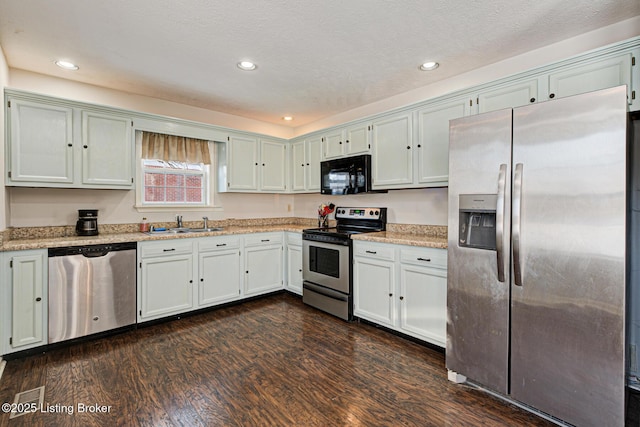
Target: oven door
326 264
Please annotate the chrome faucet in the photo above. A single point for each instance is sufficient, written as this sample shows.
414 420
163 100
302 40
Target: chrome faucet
179 220
205 219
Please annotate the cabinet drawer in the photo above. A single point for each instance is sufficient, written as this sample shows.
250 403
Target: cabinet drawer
427 257
263 239
294 239
374 251
166 248
218 243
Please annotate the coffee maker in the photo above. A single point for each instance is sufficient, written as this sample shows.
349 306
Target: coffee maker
87 224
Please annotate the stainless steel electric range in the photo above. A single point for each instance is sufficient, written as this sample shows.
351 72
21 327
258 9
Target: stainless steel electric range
327 259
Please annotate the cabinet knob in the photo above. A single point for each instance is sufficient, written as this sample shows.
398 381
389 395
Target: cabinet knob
69 145
190 281
552 95
38 299
419 145
247 271
532 100
340 143
256 163
263 164
401 298
390 295
303 165
202 280
307 164
347 141
85 146
300 270
408 147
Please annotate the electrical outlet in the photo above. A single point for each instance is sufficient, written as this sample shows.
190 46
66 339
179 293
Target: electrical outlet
289 207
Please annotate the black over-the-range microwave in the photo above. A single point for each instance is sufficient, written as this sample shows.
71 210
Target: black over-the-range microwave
348 175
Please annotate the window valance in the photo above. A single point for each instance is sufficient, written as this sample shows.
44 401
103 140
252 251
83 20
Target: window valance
175 148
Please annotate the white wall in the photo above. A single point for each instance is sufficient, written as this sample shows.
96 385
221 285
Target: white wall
4 78
426 206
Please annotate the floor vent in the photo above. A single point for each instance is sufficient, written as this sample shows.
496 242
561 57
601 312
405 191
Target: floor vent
26 401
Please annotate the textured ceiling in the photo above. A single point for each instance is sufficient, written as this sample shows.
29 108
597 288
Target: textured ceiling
315 58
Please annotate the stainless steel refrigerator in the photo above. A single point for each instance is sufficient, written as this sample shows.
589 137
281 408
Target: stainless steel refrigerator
537 255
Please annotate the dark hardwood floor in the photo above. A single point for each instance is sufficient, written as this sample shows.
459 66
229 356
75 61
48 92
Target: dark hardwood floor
267 362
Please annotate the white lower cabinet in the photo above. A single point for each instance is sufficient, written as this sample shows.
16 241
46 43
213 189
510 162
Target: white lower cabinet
219 266
293 264
165 278
24 292
263 263
403 288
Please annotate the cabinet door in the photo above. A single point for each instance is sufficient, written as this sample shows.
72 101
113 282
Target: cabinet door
263 269
592 76
314 154
41 143
298 165
219 276
333 144
357 139
432 148
28 302
510 96
166 286
392 144
243 164
294 268
423 303
273 166
373 288
107 150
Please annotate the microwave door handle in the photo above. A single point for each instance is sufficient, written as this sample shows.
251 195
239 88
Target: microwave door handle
502 183
516 216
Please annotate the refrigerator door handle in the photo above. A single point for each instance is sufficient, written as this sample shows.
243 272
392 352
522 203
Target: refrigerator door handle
515 224
502 183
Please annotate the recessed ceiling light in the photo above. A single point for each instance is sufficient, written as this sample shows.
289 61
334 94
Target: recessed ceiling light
428 66
67 65
247 65
287 118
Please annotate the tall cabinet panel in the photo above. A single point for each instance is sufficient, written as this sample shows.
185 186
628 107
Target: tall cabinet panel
41 142
106 149
298 182
392 143
432 147
23 306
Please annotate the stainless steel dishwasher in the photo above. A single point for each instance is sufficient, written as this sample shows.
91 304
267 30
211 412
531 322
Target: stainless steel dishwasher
91 289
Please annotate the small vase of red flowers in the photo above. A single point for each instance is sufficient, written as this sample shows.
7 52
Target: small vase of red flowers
323 214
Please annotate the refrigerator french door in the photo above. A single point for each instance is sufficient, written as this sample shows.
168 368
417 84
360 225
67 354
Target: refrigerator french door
537 254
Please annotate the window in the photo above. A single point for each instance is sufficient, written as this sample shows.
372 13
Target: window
174 183
173 172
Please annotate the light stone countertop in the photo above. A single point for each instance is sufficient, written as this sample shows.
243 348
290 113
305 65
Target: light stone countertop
53 237
398 238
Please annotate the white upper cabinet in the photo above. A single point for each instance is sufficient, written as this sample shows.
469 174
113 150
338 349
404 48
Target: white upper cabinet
392 144
592 75
358 139
432 148
40 143
56 144
507 96
242 168
305 165
333 144
106 150
252 165
273 169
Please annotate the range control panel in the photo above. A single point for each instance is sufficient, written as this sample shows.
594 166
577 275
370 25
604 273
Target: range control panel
360 213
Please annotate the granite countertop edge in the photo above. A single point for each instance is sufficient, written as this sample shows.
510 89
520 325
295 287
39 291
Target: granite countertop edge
422 236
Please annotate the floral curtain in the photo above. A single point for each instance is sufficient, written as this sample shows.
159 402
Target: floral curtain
176 148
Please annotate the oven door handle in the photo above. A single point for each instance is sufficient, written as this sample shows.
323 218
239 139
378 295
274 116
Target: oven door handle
325 291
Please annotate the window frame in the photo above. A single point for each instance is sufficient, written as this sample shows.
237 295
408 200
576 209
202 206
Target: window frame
211 196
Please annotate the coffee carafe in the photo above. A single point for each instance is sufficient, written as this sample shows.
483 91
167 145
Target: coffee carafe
87 224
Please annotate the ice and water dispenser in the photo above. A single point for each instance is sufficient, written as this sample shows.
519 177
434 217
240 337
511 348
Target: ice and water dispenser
477 221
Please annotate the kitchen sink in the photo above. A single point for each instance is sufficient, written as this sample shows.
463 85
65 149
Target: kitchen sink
202 230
